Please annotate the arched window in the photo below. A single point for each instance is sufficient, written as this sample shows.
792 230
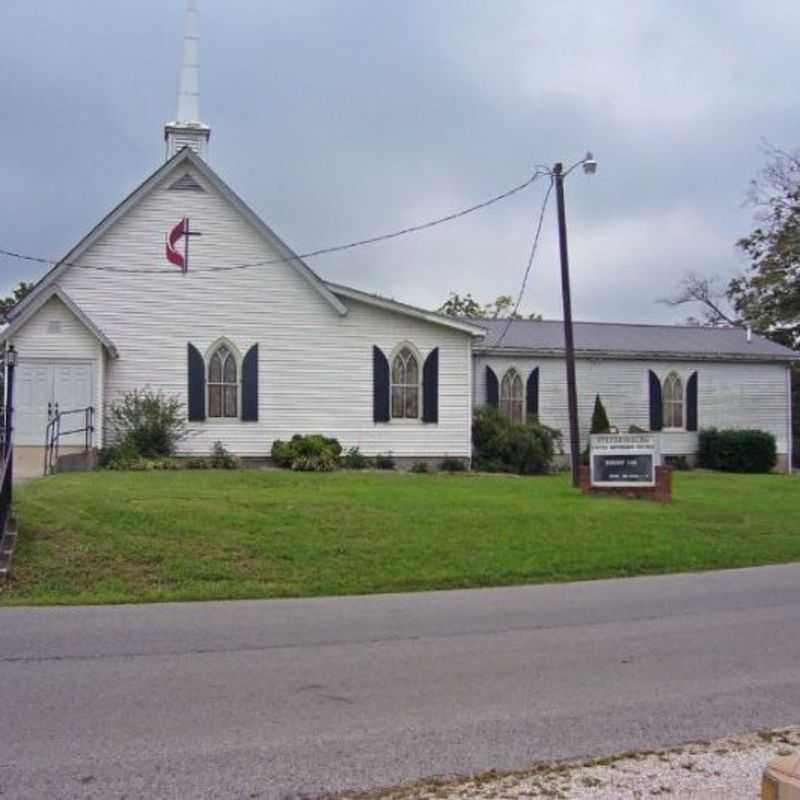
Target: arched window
511 396
405 385
673 401
223 383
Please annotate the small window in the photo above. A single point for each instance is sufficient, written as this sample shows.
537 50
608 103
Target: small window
673 401
512 399
405 385
223 383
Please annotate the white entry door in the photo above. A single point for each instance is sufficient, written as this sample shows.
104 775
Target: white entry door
41 386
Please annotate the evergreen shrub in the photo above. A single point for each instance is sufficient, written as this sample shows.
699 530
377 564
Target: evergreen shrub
745 450
501 445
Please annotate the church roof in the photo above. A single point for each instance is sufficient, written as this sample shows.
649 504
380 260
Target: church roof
598 339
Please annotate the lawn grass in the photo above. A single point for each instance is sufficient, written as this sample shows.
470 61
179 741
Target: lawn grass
129 537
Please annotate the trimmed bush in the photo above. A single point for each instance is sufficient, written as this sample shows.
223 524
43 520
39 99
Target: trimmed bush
199 462
421 467
150 423
384 462
324 462
526 449
354 459
452 465
678 463
737 450
311 453
221 458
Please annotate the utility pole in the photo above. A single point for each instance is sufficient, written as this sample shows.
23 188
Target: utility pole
569 342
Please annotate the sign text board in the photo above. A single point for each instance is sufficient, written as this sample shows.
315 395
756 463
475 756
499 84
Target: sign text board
623 459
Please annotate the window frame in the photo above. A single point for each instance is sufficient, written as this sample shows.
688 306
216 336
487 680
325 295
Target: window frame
511 400
671 379
237 360
405 420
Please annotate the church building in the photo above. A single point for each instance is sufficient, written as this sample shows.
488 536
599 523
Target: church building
184 289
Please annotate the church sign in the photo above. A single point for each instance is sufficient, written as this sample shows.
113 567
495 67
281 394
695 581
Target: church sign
620 460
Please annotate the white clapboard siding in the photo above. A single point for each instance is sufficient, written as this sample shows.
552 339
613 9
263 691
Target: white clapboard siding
54 334
315 366
730 394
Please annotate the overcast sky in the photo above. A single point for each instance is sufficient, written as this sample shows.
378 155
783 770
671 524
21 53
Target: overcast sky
340 120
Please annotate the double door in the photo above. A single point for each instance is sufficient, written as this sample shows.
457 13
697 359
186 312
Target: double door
41 387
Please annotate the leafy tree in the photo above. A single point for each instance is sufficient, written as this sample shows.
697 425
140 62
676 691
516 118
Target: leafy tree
767 296
501 308
7 303
600 423
458 306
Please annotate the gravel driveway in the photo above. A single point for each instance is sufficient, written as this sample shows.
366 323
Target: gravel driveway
727 768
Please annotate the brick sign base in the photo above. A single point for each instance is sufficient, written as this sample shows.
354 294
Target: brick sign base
660 493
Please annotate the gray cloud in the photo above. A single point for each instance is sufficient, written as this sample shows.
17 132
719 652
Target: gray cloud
338 120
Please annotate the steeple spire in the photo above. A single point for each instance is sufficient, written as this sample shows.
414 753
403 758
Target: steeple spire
187 130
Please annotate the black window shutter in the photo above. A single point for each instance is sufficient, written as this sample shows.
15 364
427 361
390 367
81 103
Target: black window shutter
250 385
532 393
691 403
197 385
492 389
656 407
430 387
380 386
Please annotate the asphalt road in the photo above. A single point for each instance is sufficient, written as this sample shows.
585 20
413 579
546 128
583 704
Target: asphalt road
291 698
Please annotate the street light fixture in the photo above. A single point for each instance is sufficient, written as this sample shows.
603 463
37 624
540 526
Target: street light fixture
589 168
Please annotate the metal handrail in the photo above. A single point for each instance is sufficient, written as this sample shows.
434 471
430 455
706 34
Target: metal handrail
5 490
54 432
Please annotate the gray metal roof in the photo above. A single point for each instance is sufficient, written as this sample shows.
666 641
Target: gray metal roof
622 339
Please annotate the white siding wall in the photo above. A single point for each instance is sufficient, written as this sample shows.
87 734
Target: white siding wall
729 395
315 367
55 334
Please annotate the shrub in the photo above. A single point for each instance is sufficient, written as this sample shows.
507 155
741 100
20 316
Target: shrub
199 462
121 456
355 459
325 462
452 465
679 463
420 467
282 453
311 453
384 461
150 423
637 429
527 449
737 450
600 423
221 458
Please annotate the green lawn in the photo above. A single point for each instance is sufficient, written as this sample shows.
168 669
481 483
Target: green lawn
126 537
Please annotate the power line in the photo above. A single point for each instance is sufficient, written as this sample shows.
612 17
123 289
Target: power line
532 255
301 256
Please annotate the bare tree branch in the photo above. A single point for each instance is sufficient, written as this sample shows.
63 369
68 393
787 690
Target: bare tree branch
694 288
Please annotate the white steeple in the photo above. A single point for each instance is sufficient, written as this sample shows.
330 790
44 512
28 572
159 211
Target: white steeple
187 130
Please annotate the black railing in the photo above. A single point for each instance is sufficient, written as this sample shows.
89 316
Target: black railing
57 429
7 366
